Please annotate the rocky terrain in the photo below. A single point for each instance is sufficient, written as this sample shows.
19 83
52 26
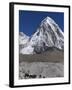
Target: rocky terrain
32 70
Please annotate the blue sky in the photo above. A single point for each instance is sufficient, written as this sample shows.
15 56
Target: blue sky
30 20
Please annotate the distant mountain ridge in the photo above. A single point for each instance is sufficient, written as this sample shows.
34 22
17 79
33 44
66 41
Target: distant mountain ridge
48 36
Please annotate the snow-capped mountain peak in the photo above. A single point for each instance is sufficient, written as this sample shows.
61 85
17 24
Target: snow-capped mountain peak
50 22
48 35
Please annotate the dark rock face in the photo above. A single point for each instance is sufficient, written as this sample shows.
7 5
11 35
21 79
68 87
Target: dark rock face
29 76
32 76
40 49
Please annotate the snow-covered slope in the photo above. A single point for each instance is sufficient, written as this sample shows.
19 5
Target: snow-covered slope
23 39
48 35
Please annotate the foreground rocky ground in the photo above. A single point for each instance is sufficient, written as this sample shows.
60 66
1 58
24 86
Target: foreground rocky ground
29 70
